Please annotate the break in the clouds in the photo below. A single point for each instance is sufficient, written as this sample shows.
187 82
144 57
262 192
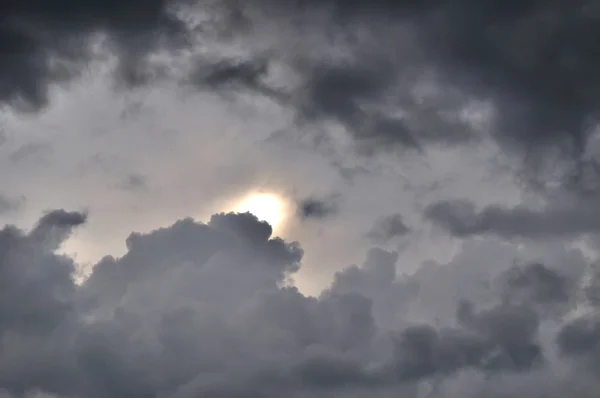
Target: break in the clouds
479 117
197 309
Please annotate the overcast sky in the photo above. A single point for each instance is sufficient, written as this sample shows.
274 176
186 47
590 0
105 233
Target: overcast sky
436 165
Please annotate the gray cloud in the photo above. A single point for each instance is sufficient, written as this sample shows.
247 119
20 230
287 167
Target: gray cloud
36 34
580 337
318 208
27 151
500 338
534 63
210 309
461 218
536 282
579 341
388 227
8 205
541 85
173 315
133 182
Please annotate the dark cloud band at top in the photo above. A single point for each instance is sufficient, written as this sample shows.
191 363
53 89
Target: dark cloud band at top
386 228
534 61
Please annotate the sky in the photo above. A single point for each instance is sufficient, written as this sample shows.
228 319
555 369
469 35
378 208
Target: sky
430 170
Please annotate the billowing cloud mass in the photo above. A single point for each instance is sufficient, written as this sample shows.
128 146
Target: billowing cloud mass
207 310
477 118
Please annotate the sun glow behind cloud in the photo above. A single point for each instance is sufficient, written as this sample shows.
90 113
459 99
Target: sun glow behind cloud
266 207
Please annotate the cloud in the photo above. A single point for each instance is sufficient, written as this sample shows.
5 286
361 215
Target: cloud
461 218
210 309
33 61
412 74
317 208
500 338
394 74
580 337
223 75
207 309
386 228
536 282
133 183
29 150
8 205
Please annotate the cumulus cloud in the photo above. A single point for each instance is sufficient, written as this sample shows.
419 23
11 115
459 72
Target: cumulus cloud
207 309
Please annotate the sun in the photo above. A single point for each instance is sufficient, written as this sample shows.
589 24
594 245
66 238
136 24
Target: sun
266 207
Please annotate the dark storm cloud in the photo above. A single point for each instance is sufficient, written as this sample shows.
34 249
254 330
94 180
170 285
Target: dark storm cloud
36 33
388 227
534 61
313 207
462 218
335 92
